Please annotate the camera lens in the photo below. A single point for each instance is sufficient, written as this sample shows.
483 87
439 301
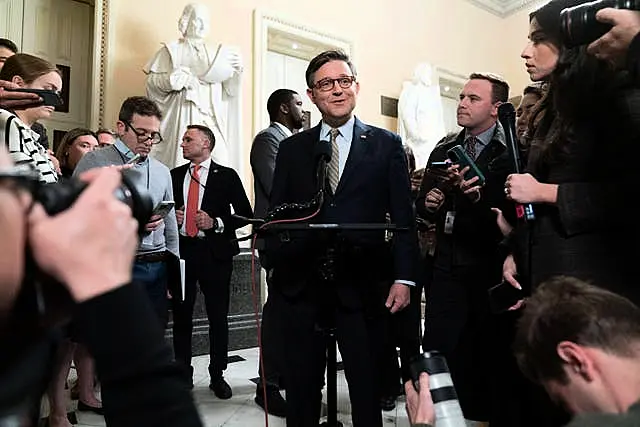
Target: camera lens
579 26
443 393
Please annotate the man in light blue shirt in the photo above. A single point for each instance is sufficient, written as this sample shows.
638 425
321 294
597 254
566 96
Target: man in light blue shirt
137 130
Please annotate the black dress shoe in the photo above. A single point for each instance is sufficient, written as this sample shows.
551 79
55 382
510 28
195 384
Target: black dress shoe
276 405
86 408
220 388
388 403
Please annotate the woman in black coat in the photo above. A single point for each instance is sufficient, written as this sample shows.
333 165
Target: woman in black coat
583 140
581 166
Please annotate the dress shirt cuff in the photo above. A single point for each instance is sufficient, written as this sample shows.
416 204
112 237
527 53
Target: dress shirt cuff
219 225
406 282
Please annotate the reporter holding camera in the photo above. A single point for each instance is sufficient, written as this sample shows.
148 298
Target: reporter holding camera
141 385
30 72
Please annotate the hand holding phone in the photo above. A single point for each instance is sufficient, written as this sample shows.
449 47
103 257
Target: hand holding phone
12 100
458 156
163 208
504 296
50 98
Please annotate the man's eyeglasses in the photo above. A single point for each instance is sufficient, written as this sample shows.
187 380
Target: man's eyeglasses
325 85
144 136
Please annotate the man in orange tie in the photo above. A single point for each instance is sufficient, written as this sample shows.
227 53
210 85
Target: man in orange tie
206 192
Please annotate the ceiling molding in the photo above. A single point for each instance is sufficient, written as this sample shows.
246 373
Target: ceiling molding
503 8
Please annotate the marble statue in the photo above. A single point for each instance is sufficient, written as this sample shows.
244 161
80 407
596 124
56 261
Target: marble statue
420 116
194 83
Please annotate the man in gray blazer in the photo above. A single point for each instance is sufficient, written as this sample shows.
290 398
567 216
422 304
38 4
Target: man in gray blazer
286 115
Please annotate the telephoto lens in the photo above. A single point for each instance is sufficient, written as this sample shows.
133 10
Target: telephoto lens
579 26
445 400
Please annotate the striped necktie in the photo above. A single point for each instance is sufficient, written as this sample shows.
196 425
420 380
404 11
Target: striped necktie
334 164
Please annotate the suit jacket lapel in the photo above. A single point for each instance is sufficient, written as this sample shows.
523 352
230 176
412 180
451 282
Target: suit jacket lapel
357 151
181 174
208 186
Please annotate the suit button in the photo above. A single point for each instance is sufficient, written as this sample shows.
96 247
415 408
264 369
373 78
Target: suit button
333 205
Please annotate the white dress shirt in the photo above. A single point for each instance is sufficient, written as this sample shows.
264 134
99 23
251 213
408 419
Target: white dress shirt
203 174
283 128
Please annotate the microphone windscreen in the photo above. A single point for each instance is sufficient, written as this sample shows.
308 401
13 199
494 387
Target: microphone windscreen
323 150
506 111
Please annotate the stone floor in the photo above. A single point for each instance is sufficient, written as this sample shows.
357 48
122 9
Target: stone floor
240 410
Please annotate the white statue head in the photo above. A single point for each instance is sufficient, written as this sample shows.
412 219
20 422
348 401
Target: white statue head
423 74
194 22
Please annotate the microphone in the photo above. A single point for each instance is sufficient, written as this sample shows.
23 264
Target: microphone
323 153
507 118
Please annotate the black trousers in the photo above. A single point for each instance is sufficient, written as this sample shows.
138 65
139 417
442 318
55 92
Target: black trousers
457 323
305 361
272 340
400 330
214 277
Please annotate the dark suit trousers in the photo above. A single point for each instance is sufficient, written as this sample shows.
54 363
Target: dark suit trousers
305 361
214 277
272 340
399 330
457 323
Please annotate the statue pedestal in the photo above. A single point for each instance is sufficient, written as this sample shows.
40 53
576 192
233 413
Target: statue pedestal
243 332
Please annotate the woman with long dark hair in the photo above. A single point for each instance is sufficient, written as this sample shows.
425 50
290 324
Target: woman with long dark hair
580 174
582 143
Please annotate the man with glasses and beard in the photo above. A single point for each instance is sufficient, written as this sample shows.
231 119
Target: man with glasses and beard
138 130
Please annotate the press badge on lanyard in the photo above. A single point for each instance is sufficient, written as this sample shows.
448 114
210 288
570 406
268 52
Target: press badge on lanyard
448 222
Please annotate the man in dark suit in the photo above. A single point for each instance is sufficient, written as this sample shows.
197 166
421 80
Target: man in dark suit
286 115
285 111
366 178
467 261
205 193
